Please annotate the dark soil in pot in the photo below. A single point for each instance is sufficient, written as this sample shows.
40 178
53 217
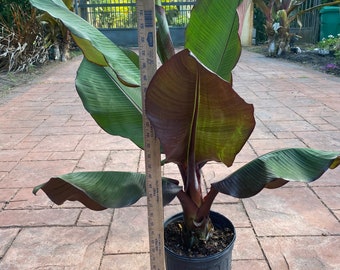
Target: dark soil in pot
222 237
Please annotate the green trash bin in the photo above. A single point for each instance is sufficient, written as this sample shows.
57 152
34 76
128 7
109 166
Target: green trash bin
329 21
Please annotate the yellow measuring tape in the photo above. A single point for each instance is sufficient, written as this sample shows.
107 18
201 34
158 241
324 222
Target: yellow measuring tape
148 65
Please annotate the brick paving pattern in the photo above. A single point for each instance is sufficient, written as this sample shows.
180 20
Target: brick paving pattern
45 131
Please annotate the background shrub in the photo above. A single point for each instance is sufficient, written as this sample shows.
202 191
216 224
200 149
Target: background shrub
21 37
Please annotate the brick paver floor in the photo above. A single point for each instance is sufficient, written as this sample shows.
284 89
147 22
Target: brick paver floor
44 131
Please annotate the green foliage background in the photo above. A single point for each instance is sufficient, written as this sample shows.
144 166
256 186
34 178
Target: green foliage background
5 9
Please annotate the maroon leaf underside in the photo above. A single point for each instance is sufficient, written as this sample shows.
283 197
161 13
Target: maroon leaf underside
60 191
195 112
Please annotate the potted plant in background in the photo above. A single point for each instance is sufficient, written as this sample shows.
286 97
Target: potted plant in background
279 16
329 45
195 112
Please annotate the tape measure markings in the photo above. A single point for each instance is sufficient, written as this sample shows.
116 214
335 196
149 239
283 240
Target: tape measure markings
148 66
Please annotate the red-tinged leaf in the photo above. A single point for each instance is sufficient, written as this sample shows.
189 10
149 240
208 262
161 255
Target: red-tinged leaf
60 191
193 109
275 169
101 190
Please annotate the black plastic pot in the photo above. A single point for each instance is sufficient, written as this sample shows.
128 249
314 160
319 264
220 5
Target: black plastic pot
218 261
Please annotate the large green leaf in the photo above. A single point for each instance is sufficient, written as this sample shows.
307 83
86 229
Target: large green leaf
101 190
212 35
116 108
194 110
96 47
274 169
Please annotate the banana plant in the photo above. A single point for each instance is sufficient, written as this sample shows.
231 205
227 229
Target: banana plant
193 108
279 15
